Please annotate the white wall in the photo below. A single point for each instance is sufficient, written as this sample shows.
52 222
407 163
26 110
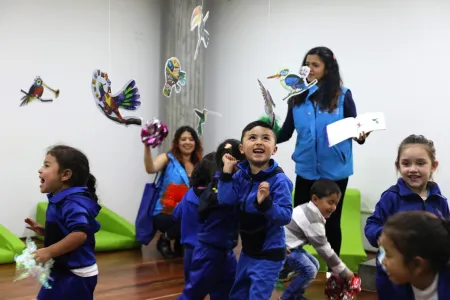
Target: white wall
394 56
63 42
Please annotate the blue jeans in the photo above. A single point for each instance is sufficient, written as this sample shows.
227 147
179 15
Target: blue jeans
307 266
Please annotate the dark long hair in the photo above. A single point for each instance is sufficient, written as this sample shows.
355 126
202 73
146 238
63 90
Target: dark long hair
69 158
197 154
409 232
233 150
204 171
330 84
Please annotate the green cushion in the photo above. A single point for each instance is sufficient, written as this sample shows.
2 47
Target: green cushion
352 247
6 256
106 241
115 233
10 245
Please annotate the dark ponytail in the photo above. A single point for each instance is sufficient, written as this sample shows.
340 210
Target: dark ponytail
91 185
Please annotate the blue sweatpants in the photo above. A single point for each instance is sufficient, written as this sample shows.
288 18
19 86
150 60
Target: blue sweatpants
68 286
187 262
307 266
212 271
255 278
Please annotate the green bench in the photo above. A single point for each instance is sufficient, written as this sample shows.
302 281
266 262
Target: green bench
10 245
115 233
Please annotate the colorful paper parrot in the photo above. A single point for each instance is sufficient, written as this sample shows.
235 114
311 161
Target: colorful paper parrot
127 98
175 78
198 20
294 83
36 91
201 115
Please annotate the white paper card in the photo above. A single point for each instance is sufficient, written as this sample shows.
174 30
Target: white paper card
352 127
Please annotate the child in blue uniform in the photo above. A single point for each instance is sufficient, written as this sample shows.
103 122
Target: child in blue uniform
417 246
70 225
416 162
213 266
186 211
264 195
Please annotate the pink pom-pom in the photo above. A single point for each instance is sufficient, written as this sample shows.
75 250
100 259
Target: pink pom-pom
153 133
340 289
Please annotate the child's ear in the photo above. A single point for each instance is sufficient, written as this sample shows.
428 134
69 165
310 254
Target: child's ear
241 148
418 265
66 174
314 199
274 150
434 166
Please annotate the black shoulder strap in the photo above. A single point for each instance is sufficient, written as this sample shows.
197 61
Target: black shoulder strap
208 200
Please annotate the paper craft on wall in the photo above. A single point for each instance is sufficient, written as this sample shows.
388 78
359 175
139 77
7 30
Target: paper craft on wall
26 265
198 20
295 84
352 127
127 98
175 78
201 115
36 91
269 104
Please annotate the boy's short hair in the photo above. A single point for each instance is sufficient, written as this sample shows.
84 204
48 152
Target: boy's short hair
257 123
233 150
324 188
204 170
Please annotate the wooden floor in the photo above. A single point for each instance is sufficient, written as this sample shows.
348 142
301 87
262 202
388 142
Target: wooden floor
136 275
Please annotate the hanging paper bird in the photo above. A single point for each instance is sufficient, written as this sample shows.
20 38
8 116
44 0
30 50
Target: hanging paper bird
36 91
127 98
199 20
201 115
175 77
294 83
269 103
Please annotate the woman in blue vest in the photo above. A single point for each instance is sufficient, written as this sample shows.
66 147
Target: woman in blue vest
176 166
309 113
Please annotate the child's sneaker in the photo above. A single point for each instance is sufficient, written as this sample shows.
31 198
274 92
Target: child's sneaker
286 275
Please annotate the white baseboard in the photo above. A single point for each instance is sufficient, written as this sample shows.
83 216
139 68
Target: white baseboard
367 246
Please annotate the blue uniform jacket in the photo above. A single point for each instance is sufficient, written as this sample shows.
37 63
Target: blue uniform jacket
218 222
261 225
72 210
314 158
186 212
400 198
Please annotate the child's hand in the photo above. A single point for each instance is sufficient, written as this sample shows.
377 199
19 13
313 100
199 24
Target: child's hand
350 276
263 191
35 226
42 255
228 163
